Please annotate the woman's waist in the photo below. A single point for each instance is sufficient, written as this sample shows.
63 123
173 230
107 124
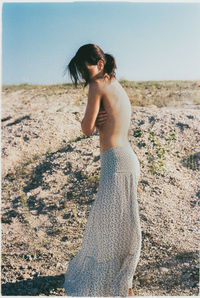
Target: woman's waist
107 142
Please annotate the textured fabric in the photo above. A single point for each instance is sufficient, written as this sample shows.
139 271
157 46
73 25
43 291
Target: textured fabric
111 244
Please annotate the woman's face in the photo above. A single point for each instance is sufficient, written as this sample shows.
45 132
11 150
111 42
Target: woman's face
92 69
95 70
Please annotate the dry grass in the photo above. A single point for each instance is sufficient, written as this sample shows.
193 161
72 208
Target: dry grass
147 93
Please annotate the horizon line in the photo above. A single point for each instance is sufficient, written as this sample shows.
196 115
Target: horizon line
123 79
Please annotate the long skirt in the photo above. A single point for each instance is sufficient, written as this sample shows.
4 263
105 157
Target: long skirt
111 243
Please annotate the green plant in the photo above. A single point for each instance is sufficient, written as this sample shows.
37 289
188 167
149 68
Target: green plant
94 178
155 152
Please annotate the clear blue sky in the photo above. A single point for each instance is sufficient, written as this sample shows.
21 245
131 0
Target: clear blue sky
150 41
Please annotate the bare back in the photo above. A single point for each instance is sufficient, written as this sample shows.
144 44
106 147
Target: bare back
118 108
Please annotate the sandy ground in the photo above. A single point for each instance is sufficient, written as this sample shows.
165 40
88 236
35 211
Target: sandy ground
50 175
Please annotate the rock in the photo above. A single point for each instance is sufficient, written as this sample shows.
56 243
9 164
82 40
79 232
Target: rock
145 279
143 217
26 275
164 269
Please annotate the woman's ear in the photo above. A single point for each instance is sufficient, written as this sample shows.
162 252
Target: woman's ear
100 64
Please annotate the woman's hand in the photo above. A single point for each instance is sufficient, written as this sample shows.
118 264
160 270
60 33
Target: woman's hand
101 119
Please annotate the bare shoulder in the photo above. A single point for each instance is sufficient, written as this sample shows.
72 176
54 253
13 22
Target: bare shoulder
102 84
95 85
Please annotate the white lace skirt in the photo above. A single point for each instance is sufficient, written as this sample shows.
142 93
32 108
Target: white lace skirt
111 245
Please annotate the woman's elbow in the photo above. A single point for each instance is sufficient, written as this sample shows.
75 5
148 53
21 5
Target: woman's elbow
87 131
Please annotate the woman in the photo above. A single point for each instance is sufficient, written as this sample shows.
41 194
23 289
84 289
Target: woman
106 263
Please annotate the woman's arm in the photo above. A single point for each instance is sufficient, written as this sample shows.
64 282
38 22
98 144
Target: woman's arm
92 108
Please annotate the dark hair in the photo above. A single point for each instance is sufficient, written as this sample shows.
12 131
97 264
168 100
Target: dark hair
91 54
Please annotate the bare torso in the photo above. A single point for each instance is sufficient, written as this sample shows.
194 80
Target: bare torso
118 108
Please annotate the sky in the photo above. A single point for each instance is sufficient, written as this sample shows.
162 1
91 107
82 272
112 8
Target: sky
149 41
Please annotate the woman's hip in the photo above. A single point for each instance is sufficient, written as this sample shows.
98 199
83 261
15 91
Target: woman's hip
119 159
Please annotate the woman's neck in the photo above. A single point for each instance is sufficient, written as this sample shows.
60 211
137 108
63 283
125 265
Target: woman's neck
102 77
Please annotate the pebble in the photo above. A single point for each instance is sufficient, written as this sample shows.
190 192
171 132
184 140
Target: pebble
164 269
26 276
